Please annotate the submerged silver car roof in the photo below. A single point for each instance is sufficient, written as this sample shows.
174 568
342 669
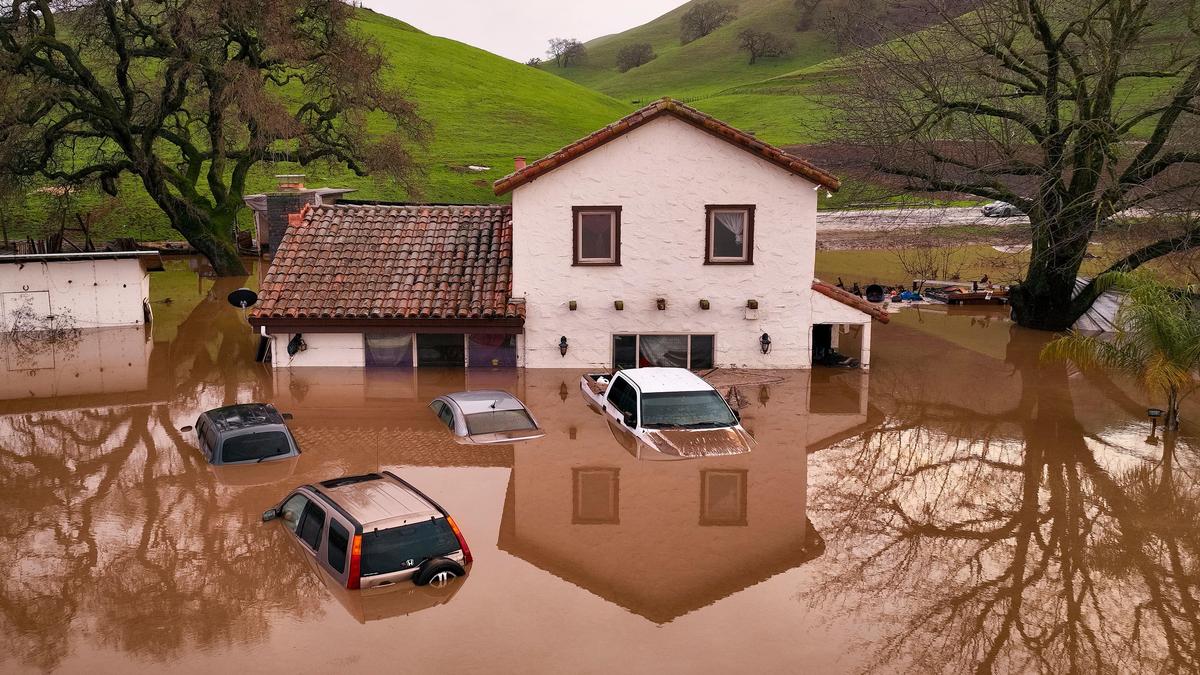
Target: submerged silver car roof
486 400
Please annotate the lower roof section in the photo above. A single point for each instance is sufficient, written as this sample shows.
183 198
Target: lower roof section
509 326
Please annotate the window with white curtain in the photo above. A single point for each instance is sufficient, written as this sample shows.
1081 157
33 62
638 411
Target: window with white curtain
730 236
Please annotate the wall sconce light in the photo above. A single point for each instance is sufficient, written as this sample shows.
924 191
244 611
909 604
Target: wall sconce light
572 305
764 394
562 392
661 303
764 343
573 433
618 305
704 304
562 345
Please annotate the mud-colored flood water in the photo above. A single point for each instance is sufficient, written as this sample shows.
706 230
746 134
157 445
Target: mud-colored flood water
963 507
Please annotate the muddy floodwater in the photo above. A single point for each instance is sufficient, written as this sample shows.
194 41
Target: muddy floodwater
963 507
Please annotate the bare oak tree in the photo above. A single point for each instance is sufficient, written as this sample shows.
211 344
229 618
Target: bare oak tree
1072 110
634 55
760 44
190 95
703 18
566 51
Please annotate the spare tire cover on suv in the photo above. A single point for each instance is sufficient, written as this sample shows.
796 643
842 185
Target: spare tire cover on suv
439 569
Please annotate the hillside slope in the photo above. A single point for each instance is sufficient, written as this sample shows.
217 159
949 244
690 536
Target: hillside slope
484 109
711 73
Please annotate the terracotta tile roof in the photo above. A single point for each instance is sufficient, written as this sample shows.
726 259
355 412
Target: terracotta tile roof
667 106
392 262
847 298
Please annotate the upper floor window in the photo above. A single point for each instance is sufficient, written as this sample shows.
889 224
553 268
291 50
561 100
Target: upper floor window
730 234
597 235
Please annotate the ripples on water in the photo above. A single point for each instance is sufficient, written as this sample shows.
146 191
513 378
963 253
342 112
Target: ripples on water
962 507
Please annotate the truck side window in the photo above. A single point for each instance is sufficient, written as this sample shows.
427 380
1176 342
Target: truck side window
622 396
311 524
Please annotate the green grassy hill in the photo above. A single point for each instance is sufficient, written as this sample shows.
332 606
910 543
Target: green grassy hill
711 74
484 110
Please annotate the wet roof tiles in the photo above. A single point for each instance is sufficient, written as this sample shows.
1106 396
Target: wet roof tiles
393 262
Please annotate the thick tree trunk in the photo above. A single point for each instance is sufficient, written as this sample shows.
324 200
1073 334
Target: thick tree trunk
210 234
1045 298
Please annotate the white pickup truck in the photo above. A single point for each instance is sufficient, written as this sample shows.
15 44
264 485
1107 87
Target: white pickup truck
671 410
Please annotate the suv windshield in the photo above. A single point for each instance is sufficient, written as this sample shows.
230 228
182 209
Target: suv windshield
255 446
399 548
694 409
498 420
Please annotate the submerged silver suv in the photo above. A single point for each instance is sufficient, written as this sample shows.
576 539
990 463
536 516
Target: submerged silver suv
375 530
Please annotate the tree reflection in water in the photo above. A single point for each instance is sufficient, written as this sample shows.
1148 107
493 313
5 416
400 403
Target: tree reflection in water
115 527
1012 541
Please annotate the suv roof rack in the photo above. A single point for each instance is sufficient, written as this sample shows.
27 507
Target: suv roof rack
350 480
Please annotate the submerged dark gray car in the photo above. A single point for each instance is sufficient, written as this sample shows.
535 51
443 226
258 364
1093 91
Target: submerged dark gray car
245 433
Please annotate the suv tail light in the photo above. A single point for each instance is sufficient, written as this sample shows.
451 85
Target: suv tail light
352 581
462 541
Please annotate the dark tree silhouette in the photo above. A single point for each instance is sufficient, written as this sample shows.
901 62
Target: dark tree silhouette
703 18
634 55
760 43
1075 111
188 96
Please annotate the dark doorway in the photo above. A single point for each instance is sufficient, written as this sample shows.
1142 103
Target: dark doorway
822 341
438 350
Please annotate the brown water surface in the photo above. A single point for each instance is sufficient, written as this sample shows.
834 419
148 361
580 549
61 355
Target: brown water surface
963 507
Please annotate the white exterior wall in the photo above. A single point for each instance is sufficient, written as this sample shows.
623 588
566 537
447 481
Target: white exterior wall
343 350
94 293
663 174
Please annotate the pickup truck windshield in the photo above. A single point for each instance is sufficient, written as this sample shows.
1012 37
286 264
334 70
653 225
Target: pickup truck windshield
498 420
688 409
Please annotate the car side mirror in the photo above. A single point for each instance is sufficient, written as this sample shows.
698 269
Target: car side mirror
269 514
630 420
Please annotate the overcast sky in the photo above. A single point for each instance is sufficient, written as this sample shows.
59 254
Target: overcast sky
519 29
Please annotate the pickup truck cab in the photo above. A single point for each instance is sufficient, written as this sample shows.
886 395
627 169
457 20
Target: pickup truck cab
671 410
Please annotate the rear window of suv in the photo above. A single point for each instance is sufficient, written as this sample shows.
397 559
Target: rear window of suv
399 548
255 446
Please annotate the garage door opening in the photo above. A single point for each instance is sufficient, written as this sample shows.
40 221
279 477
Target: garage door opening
441 350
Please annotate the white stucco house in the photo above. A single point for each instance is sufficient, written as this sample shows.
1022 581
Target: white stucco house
76 290
665 238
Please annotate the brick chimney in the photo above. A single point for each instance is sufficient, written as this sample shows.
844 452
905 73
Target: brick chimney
518 163
290 182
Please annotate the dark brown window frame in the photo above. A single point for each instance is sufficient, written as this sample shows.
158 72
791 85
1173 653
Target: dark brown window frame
614 475
575 225
743 498
708 233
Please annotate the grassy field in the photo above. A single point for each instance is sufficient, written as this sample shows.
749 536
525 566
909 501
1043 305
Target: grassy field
484 110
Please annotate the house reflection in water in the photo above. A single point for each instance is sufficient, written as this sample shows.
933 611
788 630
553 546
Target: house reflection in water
76 363
662 539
